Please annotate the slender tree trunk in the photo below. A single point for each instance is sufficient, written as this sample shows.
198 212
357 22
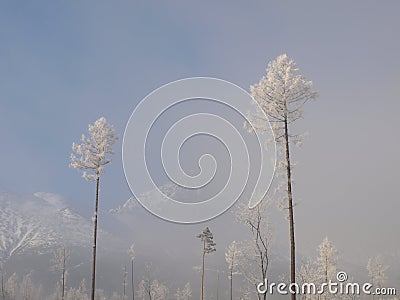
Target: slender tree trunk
291 216
372 282
133 282
218 285
3 292
95 240
202 272
231 283
264 267
150 290
63 275
63 285
326 268
26 290
124 285
326 272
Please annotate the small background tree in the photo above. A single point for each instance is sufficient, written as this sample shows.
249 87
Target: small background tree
152 290
308 273
12 286
124 283
131 253
208 247
326 264
25 287
185 293
327 261
254 258
376 272
232 256
60 259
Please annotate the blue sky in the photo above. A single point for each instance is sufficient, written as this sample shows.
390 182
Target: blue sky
66 63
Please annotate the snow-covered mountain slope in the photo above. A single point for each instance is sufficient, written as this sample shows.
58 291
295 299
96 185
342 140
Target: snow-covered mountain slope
128 205
39 222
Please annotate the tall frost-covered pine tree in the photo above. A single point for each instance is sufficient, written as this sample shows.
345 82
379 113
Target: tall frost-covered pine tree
208 247
281 94
92 156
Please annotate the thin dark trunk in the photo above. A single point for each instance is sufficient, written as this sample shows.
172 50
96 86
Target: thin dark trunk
63 275
264 272
3 292
326 274
133 283
373 283
63 286
231 283
218 285
150 290
95 240
202 272
291 216
26 290
124 284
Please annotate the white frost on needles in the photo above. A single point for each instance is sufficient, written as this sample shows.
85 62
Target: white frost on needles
93 149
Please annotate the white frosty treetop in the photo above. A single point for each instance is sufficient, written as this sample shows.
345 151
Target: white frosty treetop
280 96
282 92
131 251
61 256
93 150
232 257
376 271
327 259
184 294
154 290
